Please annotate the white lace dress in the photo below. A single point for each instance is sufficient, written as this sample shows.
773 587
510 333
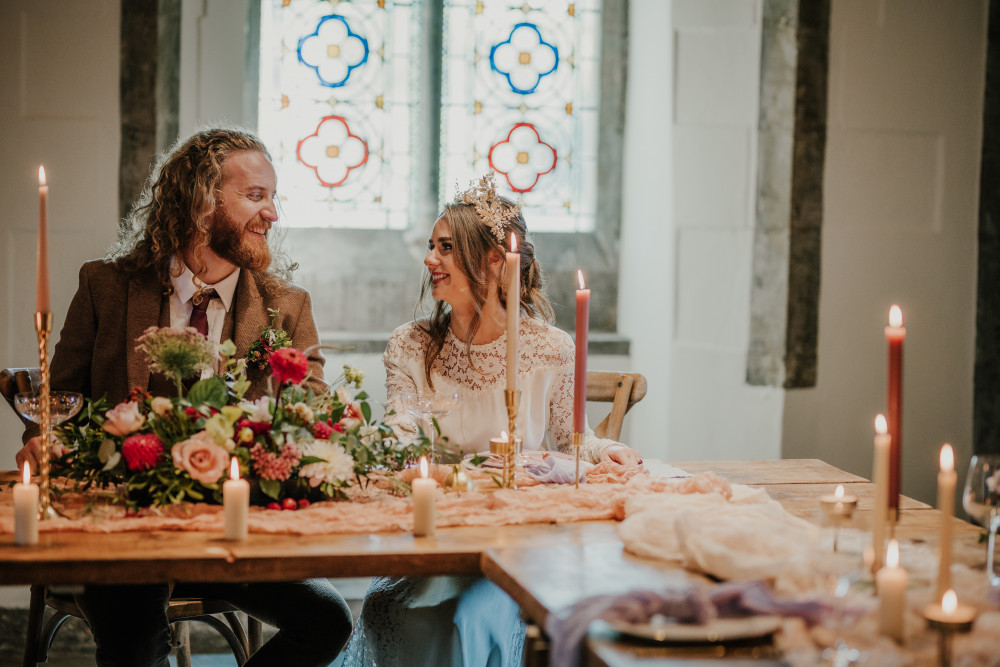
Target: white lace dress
466 620
545 378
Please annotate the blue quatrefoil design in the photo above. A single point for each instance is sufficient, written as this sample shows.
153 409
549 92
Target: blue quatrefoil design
350 34
539 75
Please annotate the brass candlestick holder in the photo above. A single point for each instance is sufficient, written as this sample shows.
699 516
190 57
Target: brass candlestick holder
43 325
577 443
512 397
947 625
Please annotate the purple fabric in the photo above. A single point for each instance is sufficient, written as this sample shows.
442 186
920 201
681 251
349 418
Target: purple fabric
696 604
554 470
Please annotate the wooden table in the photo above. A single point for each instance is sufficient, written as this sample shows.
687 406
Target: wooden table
517 558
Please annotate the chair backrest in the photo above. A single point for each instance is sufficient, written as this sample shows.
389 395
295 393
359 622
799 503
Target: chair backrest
16 380
622 390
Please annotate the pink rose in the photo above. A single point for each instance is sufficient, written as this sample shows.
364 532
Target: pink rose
123 419
289 364
201 458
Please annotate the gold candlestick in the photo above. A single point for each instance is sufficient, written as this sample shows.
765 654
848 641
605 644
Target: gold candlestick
512 397
577 443
43 325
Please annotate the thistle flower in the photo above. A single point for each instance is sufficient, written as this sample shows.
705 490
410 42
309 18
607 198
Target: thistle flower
176 353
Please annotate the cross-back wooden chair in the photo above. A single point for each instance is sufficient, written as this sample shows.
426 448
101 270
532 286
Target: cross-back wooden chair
622 390
180 611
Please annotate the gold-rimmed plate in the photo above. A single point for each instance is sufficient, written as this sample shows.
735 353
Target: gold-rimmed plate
717 631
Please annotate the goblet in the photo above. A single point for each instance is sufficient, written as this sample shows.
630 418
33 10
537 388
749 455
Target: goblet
63 405
981 496
428 405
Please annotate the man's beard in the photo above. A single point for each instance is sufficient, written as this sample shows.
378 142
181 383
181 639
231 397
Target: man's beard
231 241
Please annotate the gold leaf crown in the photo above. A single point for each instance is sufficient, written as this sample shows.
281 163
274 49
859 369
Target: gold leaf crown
492 211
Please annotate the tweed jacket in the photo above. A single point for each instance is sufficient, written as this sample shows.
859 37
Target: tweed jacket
96 353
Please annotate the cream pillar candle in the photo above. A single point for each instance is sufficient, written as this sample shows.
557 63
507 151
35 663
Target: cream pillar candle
947 478
423 502
513 311
891 583
236 503
25 510
880 475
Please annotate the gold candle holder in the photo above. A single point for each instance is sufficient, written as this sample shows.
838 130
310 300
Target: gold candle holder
947 622
577 443
43 325
512 397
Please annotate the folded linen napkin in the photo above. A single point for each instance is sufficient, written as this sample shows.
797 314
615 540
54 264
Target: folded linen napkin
555 470
695 604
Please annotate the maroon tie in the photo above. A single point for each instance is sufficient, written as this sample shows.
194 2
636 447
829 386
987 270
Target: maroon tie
199 315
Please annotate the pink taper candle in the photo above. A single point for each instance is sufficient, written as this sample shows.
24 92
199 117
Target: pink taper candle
895 334
513 311
580 377
42 285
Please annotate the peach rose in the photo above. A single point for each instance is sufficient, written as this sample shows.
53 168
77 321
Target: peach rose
123 419
201 458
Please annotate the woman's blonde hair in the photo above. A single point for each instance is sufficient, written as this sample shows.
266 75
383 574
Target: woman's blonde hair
473 243
174 212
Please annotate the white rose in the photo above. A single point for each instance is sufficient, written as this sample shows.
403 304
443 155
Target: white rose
123 419
259 410
162 406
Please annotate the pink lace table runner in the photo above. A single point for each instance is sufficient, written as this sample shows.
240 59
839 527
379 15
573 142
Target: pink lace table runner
374 510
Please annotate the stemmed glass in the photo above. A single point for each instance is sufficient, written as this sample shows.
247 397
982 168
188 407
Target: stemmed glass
63 405
839 561
428 405
981 500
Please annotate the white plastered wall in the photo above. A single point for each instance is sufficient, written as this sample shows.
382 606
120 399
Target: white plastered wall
900 223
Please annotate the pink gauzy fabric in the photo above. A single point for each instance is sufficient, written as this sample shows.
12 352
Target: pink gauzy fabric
374 510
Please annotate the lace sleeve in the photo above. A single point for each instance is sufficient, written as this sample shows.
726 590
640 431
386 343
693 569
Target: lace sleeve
594 449
400 353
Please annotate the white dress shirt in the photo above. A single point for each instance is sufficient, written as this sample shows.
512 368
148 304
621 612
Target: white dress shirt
181 304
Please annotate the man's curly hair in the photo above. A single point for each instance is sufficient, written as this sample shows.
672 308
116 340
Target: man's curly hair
175 209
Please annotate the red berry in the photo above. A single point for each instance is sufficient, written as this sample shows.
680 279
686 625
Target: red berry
273 506
303 503
289 504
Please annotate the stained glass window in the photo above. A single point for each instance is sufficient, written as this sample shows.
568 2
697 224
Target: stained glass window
520 96
335 108
339 89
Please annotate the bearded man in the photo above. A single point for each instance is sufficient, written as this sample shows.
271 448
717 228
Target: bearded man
193 252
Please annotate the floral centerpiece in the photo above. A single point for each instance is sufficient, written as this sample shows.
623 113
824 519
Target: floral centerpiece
293 445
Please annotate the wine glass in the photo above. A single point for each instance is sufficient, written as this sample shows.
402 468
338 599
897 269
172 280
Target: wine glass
428 405
838 559
981 496
63 405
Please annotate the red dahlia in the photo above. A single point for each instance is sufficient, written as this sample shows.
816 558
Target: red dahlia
142 451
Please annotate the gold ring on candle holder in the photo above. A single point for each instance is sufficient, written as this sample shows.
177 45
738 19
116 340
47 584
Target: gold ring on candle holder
577 443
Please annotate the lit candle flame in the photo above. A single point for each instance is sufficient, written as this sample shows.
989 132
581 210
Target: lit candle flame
513 242
234 468
949 602
892 554
41 176
947 458
579 276
839 493
895 316
881 427
26 474
423 467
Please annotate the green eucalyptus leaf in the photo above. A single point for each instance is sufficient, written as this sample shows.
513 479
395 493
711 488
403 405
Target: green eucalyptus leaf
106 449
271 488
210 391
366 411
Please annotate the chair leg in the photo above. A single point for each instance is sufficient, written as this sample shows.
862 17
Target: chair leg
49 634
35 610
182 642
234 643
237 627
